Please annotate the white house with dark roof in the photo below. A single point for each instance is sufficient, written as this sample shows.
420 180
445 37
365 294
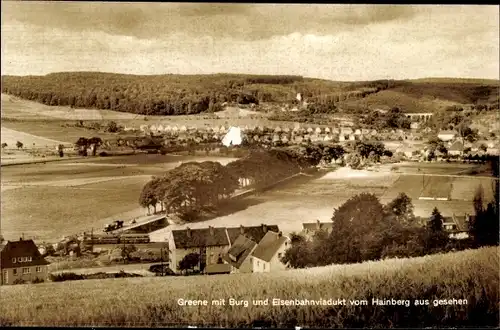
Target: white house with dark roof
266 256
21 261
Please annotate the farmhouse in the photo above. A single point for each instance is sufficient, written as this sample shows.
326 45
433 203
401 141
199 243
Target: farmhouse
267 254
447 135
209 243
21 261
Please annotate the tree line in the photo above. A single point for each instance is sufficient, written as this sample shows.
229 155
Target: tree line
193 187
363 229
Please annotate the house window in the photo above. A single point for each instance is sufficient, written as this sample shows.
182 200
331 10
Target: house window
20 259
26 270
4 280
38 269
13 260
14 271
30 259
258 263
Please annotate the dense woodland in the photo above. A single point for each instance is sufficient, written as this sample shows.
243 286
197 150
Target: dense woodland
192 94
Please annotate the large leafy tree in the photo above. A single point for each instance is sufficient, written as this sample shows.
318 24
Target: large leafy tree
402 209
189 262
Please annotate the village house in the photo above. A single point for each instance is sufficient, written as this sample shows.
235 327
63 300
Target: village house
21 261
267 255
447 135
210 243
457 226
310 228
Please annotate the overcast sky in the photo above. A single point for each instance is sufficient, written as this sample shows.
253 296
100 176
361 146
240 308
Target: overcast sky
338 42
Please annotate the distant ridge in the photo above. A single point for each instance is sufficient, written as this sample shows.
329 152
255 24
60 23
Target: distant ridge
175 94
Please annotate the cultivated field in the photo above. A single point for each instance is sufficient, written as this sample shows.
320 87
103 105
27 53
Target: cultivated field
46 201
471 275
438 187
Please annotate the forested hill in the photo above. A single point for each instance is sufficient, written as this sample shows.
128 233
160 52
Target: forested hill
191 94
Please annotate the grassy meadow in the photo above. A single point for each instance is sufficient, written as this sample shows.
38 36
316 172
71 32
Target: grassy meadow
471 275
46 201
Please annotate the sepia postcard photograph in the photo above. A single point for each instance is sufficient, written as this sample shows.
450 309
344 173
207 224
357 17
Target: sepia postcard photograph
249 165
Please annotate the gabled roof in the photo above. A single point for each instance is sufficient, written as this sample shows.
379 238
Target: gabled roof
255 233
313 226
19 249
192 238
239 251
268 246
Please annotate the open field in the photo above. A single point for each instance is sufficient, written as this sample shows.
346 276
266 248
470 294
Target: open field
29 141
437 187
471 275
46 201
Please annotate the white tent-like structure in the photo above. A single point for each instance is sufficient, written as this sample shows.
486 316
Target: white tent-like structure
233 137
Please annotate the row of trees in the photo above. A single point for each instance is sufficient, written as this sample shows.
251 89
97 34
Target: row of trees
364 229
83 144
192 187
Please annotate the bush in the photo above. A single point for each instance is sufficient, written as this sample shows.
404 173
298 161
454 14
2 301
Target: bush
65 277
103 154
19 281
37 280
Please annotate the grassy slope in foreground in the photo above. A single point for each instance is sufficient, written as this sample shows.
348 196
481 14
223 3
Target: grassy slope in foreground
471 274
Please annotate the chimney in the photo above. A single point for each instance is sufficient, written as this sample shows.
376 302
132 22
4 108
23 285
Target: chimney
188 232
211 230
242 229
318 225
264 228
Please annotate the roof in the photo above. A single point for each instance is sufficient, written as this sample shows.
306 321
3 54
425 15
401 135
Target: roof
255 233
218 269
18 249
200 237
313 226
268 246
239 251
